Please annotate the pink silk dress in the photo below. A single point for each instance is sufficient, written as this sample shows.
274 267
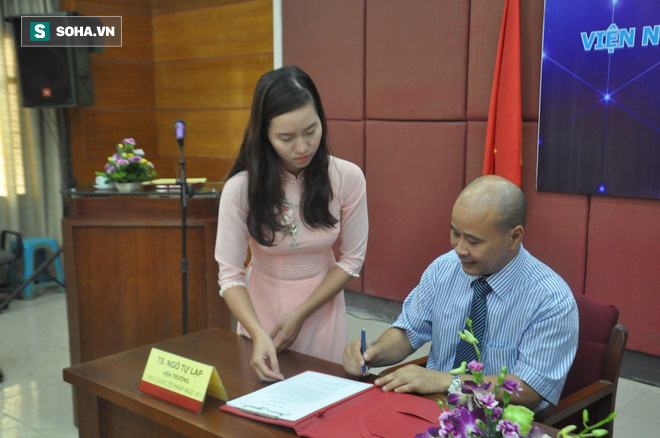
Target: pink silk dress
282 276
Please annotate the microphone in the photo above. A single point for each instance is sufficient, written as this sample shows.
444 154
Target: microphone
180 128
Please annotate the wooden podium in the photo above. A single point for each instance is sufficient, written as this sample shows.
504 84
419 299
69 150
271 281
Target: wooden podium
122 257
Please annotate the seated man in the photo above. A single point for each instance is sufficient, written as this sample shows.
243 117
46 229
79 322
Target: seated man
531 319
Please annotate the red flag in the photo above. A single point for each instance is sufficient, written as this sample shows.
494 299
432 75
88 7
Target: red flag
504 134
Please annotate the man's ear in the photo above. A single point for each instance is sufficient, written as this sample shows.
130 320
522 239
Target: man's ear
517 233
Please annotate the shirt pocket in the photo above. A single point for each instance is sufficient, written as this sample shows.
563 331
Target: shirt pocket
496 356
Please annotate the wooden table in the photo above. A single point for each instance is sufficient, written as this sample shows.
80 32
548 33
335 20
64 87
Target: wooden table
110 405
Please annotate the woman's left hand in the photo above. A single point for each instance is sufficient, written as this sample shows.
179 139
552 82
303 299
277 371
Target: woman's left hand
286 330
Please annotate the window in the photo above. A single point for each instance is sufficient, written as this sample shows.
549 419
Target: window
12 170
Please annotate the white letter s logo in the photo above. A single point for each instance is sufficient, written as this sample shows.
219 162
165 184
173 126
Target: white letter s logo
39 31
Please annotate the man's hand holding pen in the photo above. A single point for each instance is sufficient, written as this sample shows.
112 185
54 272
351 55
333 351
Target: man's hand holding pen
355 361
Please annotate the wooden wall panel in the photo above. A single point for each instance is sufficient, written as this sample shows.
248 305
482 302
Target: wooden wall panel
123 85
143 6
137 39
337 69
474 150
209 133
166 6
103 135
416 59
484 37
197 60
622 267
234 29
210 83
346 140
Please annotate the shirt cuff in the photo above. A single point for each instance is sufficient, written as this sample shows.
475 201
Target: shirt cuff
230 285
348 271
547 387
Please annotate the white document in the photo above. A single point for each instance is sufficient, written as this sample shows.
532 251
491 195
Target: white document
298 396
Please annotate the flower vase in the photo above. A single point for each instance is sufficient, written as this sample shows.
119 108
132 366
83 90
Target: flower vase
128 186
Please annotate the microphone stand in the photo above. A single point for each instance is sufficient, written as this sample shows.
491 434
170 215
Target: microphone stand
184 260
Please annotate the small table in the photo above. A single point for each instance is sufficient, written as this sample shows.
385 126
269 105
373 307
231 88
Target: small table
110 405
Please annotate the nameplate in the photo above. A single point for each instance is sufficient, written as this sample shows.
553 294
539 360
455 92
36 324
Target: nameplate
181 381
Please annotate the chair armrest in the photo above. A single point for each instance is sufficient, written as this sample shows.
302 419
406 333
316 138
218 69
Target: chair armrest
575 402
420 361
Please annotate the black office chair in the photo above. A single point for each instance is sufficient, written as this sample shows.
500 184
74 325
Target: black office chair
7 257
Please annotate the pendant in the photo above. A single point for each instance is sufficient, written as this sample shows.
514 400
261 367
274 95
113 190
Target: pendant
293 231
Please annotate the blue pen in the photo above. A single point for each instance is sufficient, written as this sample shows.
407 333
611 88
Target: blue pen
363 349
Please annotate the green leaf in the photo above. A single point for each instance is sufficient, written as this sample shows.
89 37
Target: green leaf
460 370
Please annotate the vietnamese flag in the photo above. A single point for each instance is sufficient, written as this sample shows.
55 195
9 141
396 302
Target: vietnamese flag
504 133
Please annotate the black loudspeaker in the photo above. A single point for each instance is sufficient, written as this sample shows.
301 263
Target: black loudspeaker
55 77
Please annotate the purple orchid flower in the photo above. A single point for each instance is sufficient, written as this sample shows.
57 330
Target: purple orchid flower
135 159
508 429
129 141
457 399
511 386
466 424
469 387
431 432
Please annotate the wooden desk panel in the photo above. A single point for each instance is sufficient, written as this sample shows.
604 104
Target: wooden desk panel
123 271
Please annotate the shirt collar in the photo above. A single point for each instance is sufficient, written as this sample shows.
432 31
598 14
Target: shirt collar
500 281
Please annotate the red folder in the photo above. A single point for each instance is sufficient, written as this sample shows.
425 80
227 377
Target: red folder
369 413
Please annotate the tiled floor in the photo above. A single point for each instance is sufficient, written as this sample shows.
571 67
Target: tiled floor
35 402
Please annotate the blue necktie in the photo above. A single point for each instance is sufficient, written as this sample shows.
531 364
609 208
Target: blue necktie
465 351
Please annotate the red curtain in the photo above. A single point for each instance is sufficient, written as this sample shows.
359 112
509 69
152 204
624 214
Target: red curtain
504 134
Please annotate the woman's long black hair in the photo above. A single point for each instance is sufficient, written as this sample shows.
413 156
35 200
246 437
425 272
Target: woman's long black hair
278 92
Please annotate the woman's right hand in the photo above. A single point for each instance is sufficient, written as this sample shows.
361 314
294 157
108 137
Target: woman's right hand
264 359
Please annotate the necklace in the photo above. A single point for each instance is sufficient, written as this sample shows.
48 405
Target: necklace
294 181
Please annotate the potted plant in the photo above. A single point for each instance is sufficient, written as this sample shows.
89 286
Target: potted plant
127 168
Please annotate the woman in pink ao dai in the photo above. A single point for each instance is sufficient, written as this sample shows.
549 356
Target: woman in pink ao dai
290 201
